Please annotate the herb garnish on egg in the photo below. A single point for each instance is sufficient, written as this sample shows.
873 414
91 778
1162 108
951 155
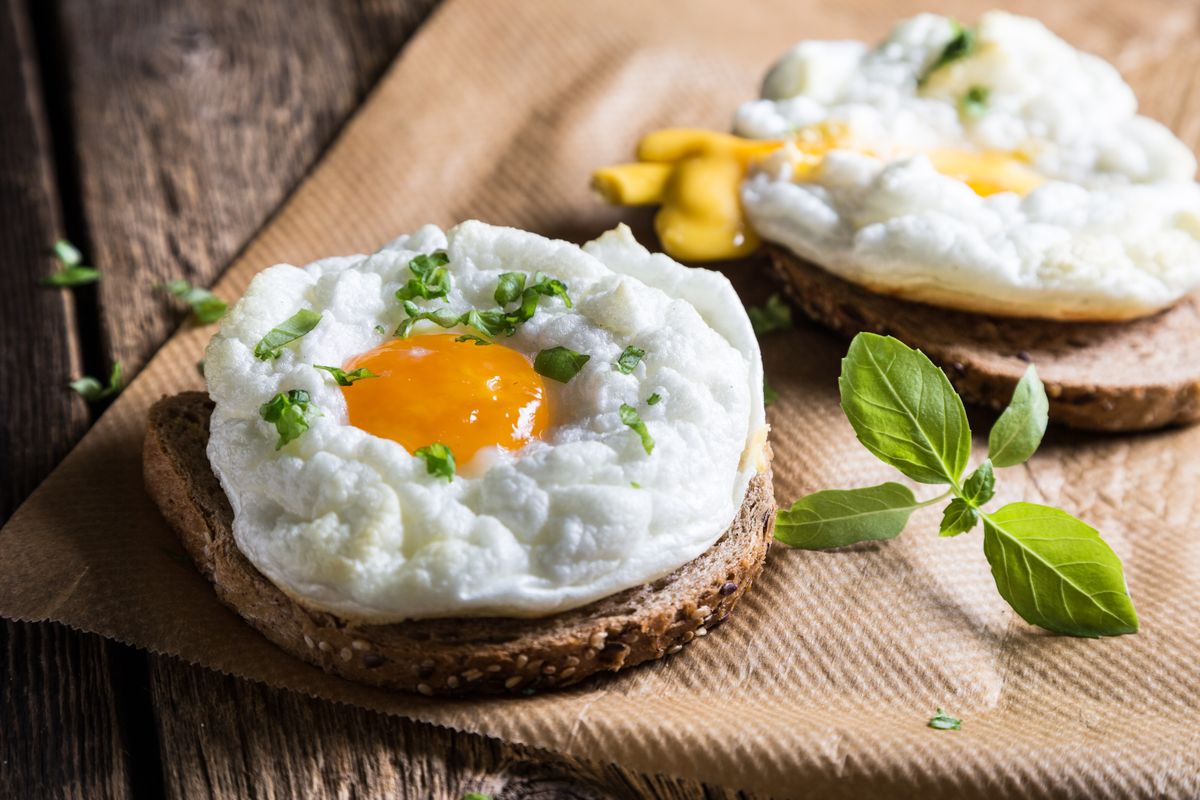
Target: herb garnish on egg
630 417
560 363
629 359
961 46
974 103
344 378
438 460
288 411
288 331
430 279
653 399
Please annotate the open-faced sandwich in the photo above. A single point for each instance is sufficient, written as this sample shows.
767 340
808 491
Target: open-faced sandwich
988 194
475 461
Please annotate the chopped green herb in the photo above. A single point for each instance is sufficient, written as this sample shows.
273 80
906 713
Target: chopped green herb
776 315
430 279
91 389
67 253
344 378
630 417
550 287
635 485
973 104
200 367
560 363
769 394
288 412
509 287
960 46
291 329
1052 569
945 722
380 329
629 359
653 399
206 306
470 337
439 460
479 795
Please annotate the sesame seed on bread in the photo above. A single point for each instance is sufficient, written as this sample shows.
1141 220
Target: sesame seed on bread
447 656
1109 376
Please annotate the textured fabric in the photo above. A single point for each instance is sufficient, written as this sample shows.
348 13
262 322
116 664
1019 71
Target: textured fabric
822 681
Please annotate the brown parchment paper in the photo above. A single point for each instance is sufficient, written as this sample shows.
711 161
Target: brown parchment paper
822 681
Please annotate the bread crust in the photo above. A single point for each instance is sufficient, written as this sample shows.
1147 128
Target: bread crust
447 656
1118 376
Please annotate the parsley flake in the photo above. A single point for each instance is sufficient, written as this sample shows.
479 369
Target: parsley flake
973 104
288 412
945 722
470 337
961 45
560 363
430 279
653 399
291 329
509 287
91 389
439 460
630 357
206 306
776 315
72 273
630 417
344 378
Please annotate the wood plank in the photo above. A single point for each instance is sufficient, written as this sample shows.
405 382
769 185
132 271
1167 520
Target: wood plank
61 732
233 739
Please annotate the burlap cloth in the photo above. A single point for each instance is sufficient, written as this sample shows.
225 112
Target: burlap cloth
822 681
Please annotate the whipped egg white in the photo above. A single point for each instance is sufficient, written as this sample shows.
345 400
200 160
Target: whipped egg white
1091 210
354 524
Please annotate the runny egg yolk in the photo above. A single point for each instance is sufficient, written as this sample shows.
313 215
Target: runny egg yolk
435 389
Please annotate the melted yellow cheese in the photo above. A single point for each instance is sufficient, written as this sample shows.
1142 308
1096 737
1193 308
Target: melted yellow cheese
696 177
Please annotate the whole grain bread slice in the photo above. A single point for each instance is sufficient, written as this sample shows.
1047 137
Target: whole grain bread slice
1120 376
447 656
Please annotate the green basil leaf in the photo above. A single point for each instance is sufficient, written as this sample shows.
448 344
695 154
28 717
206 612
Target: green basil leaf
653 399
960 46
67 253
838 517
439 460
769 394
430 280
470 337
959 517
904 409
509 287
551 287
776 315
1019 430
559 363
630 417
945 722
72 276
630 357
288 412
343 378
93 391
980 485
291 329
425 264
1056 572
973 104
206 306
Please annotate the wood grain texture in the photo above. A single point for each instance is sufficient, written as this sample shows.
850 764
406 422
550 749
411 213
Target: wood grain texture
193 120
230 739
59 725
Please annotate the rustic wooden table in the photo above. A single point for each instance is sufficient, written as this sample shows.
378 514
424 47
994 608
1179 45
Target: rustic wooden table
158 136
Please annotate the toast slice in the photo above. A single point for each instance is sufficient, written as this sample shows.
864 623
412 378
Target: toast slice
447 656
1107 376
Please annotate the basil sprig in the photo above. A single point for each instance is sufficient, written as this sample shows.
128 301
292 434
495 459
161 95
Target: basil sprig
206 306
288 331
1054 570
288 412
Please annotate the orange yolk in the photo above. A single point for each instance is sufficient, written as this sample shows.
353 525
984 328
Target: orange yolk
434 389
